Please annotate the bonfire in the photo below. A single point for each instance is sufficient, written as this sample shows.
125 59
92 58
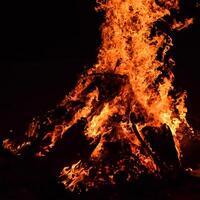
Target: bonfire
125 112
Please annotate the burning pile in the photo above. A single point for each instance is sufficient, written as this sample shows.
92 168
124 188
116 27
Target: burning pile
125 108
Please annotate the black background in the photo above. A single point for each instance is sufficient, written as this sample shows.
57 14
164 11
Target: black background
43 48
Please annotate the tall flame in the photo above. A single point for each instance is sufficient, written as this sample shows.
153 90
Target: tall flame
129 89
131 48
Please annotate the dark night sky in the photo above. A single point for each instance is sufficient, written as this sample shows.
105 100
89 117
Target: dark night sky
44 48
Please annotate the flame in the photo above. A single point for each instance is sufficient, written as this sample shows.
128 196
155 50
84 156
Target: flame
133 77
182 25
129 49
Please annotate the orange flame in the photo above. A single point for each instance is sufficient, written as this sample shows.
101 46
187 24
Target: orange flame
129 49
132 59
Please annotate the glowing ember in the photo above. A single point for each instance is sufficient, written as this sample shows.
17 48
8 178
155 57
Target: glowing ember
131 115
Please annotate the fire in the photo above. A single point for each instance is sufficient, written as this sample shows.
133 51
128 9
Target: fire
126 99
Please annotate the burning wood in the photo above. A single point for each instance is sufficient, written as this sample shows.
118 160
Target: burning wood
124 110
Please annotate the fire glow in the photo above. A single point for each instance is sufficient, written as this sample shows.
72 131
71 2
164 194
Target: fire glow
126 99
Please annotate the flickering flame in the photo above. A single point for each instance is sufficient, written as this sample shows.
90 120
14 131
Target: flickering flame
132 64
181 25
129 49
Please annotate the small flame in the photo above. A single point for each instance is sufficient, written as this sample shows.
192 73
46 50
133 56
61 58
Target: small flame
182 25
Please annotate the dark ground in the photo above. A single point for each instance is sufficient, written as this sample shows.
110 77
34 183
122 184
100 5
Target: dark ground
43 48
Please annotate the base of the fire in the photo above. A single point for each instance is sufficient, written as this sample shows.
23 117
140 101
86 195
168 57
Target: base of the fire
119 155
